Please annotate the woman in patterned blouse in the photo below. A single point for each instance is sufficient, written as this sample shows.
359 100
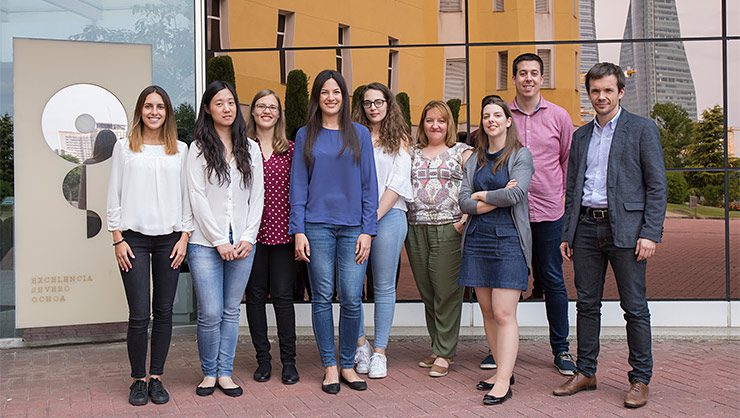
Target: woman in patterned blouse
274 269
435 225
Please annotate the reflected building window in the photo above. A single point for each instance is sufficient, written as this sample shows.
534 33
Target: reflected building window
546 55
286 23
542 6
393 65
450 6
498 5
455 80
344 65
503 70
216 26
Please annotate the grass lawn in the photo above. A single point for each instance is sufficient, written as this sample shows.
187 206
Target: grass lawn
701 211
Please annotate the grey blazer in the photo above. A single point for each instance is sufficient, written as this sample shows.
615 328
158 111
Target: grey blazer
521 168
635 181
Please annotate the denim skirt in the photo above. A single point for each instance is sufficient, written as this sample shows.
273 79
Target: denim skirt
492 258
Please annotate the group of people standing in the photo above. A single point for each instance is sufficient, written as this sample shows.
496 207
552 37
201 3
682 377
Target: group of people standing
243 202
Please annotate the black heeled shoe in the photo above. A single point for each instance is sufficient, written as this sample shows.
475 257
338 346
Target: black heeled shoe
483 385
356 385
489 400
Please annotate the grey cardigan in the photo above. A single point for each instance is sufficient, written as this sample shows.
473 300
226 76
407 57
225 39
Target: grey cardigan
521 168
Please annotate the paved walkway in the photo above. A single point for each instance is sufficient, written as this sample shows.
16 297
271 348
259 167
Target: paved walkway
692 378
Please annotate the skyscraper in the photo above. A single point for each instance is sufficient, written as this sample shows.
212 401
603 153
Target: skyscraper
658 71
589 52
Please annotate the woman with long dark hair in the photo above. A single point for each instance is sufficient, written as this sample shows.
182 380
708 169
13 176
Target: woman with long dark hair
389 131
226 193
497 243
334 203
274 267
435 225
150 219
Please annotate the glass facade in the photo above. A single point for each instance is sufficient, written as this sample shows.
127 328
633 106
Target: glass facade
679 56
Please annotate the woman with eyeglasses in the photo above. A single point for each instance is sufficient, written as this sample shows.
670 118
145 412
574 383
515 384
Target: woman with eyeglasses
435 225
497 243
334 204
389 132
150 219
274 269
226 192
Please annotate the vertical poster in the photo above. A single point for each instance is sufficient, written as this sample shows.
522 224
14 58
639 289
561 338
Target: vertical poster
72 101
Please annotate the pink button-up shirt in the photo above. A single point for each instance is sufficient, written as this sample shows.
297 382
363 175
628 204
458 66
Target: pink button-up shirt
547 133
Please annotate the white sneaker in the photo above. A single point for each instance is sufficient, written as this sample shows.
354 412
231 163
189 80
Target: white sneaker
378 366
362 358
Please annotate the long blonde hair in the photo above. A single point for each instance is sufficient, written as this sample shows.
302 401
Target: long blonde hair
393 129
451 138
280 142
168 131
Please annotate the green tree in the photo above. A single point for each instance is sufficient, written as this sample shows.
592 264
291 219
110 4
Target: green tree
405 104
455 105
168 28
676 132
296 101
185 118
221 68
678 187
6 156
357 98
707 151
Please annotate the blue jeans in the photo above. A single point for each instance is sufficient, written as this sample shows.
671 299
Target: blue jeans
593 250
547 265
333 263
384 258
219 286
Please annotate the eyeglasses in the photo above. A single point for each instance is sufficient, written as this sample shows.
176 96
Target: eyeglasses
367 104
262 107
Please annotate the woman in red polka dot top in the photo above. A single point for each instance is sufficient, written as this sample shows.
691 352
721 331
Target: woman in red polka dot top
274 266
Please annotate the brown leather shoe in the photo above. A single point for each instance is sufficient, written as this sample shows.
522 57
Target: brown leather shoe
440 367
576 384
427 362
637 395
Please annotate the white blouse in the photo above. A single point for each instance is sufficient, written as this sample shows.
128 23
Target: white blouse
220 208
394 172
147 190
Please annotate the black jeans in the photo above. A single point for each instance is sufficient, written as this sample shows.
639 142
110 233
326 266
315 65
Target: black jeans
273 273
593 249
152 260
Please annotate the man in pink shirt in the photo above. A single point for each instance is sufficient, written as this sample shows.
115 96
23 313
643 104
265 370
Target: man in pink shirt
546 130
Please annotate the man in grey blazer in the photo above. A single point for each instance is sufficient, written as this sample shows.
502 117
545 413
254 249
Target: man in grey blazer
615 205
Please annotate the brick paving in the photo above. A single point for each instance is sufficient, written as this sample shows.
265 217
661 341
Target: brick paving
692 378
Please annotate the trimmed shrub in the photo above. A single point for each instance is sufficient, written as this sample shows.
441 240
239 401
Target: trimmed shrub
296 101
220 68
454 105
405 104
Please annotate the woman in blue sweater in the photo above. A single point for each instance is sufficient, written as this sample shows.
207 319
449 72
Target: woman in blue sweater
334 203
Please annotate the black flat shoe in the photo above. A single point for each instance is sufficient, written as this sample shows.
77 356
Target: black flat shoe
330 388
290 374
483 385
157 392
263 372
356 385
493 400
205 390
138 395
233 392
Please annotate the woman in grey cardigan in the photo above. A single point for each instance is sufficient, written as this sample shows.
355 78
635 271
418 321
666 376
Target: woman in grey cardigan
496 254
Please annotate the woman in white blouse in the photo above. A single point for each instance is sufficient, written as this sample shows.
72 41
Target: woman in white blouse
226 192
389 131
149 217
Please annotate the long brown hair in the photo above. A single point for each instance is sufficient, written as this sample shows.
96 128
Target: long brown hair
393 129
280 142
451 138
350 140
511 145
168 131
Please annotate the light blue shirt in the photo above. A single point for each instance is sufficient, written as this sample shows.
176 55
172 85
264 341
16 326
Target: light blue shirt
597 163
